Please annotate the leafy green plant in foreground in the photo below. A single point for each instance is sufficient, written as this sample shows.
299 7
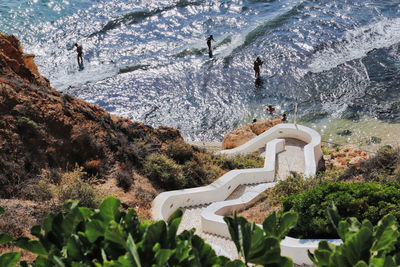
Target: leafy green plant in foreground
109 237
262 245
106 236
363 244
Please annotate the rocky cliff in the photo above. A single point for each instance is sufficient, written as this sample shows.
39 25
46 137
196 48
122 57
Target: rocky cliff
41 128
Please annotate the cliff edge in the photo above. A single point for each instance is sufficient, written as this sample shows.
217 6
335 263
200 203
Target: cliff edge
41 128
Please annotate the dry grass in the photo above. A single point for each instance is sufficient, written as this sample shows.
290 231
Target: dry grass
139 196
21 215
258 211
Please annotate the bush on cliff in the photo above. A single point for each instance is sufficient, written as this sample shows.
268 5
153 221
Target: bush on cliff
200 173
73 187
27 127
184 166
180 152
360 200
382 168
124 179
165 171
252 160
297 183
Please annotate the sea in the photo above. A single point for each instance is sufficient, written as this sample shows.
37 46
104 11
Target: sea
338 61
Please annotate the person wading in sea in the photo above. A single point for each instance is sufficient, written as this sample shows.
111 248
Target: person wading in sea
257 64
284 118
79 50
270 109
209 39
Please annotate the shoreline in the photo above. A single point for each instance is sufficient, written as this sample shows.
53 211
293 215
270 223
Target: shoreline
368 133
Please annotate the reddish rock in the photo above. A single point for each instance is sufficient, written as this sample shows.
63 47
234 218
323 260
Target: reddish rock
14 61
238 137
247 132
260 127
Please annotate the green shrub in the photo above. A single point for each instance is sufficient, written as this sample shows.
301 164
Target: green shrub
180 152
198 173
296 183
165 171
325 150
330 174
27 126
42 190
124 179
361 200
204 168
239 161
73 187
182 166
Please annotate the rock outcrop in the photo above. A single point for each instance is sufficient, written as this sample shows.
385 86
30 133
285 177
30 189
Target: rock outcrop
41 128
247 132
13 61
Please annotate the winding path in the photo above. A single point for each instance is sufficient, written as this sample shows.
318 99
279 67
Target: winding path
288 147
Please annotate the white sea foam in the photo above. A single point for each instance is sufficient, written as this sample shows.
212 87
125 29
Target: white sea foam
357 43
77 77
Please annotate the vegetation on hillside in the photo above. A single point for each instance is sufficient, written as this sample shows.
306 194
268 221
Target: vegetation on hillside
184 166
382 168
368 190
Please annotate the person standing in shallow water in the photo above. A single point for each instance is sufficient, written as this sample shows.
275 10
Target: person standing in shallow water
284 118
209 39
270 109
79 50
257 64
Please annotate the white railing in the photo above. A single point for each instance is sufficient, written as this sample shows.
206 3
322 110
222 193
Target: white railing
312 151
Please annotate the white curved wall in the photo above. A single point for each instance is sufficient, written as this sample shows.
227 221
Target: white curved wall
166 203
296 249
312 151
212 217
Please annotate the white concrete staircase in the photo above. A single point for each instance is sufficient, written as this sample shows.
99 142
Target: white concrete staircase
204 207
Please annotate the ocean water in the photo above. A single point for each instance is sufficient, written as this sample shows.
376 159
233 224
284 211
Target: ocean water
339 60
